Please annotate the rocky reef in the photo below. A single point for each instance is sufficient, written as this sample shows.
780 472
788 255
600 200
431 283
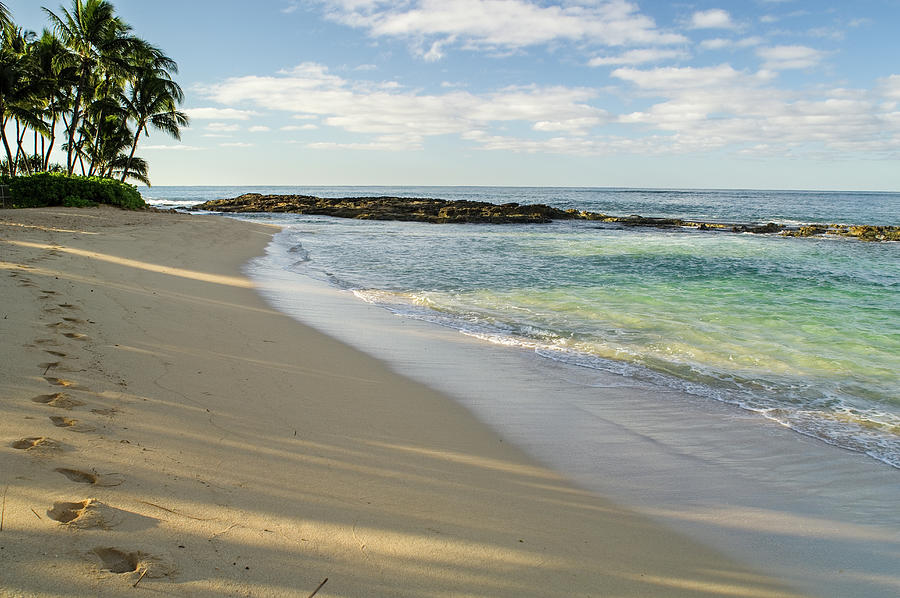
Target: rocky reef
865 232
442 211
416 209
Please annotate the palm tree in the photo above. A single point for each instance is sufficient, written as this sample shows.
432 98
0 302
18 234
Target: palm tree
5 18
99 44
59 80
153 100
106 86
20 94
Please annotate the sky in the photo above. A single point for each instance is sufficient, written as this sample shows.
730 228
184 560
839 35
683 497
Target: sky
758 94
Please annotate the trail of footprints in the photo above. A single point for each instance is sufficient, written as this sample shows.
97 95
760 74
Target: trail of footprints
90 512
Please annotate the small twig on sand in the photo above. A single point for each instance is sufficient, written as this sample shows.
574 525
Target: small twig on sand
224 531
36 514
316 591
48 369
172 511
143 573
3 508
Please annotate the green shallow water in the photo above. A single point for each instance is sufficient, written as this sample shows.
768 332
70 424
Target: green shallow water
804 331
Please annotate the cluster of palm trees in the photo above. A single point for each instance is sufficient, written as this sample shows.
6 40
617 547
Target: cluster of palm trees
88 84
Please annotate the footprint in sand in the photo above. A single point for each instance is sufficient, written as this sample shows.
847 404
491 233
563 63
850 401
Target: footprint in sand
45 341
38 443
60 400
116 560
71 424
64 383
48 292
55 353
76 336
76 320
107 411
83 477
67 306
85 514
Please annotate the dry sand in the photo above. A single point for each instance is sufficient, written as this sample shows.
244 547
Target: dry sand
161 425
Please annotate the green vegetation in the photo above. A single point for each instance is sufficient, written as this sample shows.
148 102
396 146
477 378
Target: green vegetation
90 85
59 189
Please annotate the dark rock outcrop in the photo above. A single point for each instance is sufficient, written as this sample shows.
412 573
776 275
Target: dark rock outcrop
416 209
423 209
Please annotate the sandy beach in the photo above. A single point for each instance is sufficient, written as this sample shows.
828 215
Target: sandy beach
162 429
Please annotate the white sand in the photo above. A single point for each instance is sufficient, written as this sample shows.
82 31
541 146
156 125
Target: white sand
218 448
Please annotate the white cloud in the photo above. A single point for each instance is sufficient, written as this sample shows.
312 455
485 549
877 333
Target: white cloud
779 58
433 25
639 56
573 126
720 43
309 127
389 143
219 114
714 108
222 127
174 148
367 108
676 79
717 43
715 18
258 129
685 109
890 87
236 144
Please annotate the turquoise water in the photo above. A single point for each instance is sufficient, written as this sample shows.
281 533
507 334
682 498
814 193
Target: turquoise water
802 331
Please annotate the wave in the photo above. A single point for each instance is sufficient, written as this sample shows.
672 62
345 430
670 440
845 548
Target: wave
827 418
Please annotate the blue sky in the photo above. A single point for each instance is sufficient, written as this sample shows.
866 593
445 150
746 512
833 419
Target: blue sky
788 94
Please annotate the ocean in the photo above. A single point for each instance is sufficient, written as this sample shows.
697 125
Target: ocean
741 389
805 332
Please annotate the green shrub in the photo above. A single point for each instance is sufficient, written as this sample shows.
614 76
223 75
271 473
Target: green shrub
57 189
77 202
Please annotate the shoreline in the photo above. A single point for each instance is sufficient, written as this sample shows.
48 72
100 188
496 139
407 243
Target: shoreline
794 506
221 448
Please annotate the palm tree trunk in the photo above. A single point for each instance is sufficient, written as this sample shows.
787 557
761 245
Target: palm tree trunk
9 156
52 141
20 151
133 149
76 115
